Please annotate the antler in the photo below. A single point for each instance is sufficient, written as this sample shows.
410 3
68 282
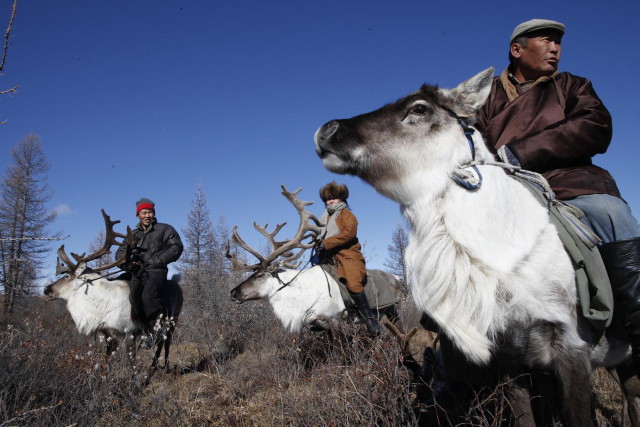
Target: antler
109 240
309 227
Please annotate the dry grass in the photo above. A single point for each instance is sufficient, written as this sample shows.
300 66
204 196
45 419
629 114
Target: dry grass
231 367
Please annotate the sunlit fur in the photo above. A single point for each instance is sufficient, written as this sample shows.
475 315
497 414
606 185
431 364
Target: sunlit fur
486 265
311 296
97 304
478 262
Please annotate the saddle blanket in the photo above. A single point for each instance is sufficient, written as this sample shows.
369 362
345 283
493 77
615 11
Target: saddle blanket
377 289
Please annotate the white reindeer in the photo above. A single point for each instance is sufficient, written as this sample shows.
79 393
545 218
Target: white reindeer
98 305
485 264
299 298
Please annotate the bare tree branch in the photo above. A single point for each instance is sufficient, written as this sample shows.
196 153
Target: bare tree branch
7 34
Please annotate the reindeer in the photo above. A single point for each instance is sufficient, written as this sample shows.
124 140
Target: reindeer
484 261
299 298
98 305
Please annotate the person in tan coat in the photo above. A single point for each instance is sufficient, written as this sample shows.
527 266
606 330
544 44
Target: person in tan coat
339 240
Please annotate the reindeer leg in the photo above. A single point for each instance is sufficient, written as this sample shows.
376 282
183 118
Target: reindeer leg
112 346
167 346
171 326
130 347
520 401
573 370
629 384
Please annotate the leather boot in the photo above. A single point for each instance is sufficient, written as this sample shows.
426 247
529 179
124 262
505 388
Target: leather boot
370 320
622 260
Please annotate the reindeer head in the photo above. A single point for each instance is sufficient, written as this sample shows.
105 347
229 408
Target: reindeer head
282 254
72 281
405 138
74 270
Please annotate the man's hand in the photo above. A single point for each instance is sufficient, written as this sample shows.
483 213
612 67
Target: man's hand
131 266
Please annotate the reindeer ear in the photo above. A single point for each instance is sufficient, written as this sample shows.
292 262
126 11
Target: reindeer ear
81 269
469 96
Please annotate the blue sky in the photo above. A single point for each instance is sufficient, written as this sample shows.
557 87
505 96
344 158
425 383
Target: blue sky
153 98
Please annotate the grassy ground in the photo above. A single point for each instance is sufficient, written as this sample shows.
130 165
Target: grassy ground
234 367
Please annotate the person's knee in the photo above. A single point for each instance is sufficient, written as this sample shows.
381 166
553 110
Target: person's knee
610 217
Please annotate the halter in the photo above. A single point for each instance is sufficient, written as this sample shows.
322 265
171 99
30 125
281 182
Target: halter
471 179
284 285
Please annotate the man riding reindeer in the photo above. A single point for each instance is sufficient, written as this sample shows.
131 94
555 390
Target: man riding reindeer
339 241
150 249
554 123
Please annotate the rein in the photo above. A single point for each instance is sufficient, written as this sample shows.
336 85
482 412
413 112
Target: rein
468 176
284 285
87 282
103 277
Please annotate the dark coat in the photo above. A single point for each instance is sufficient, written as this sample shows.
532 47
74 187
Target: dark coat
158 246
554 128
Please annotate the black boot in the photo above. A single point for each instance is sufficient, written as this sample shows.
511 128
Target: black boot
622 260
362 304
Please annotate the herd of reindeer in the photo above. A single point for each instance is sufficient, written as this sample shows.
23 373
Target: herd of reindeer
487 266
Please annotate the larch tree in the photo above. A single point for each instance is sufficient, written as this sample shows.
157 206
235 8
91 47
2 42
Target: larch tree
24 221
203 263
396 250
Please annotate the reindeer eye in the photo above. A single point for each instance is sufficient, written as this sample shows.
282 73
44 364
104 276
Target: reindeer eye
419 109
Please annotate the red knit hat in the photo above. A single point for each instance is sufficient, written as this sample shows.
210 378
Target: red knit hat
145 203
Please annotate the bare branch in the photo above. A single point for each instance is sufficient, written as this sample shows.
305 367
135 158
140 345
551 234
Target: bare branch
7 35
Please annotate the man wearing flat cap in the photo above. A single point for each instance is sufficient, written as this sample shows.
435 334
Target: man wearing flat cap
155 246
554 123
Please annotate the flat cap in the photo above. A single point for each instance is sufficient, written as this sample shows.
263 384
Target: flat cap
535 25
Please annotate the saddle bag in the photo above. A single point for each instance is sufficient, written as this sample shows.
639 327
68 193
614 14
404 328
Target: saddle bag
594 289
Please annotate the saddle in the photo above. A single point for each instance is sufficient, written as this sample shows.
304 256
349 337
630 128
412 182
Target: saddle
377 289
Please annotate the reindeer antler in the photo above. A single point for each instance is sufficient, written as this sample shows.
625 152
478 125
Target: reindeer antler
109 240
309 227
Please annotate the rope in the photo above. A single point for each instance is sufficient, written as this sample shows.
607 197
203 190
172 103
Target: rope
571 213
284 285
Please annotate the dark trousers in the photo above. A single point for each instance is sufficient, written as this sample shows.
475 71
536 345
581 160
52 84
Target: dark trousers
148 296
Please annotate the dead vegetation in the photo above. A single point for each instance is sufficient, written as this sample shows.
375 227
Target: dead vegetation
232 366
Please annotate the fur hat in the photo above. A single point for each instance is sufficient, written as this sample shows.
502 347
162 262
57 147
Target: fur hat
145 203
334 191
535 25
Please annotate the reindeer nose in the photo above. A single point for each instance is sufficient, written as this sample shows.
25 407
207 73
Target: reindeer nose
326 131
47 290
234 294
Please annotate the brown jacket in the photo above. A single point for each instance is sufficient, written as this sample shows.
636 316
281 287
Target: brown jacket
554 128
345 247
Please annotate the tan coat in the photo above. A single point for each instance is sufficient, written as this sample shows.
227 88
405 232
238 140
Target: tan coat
346 249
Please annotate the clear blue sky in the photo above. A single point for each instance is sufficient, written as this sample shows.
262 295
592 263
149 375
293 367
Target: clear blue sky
152 98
